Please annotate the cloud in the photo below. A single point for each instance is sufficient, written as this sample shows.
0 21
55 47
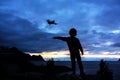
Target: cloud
19 32
116 44
109 18
23 23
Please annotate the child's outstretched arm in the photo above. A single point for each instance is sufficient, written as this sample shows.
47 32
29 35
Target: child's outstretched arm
60 38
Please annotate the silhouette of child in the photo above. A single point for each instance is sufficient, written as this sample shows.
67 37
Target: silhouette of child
74 46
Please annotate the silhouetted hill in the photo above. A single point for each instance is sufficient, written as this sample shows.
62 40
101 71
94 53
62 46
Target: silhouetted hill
14 60
12 54
37 58
15 55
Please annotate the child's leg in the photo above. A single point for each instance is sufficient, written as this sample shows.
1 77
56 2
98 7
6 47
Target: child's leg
79 61
73 64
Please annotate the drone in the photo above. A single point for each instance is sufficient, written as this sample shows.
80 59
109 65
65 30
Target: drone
51 22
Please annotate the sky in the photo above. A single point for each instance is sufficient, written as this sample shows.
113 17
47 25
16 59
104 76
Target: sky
23 24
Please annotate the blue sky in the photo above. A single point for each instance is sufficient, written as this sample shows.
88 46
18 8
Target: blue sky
23 24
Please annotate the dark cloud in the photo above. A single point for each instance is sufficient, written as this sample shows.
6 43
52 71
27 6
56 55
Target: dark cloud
19 32
117 44
109 18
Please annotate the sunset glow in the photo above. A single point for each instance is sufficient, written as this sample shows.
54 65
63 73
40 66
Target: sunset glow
64 55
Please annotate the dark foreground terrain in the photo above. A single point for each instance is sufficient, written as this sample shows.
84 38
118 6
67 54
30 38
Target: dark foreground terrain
16 65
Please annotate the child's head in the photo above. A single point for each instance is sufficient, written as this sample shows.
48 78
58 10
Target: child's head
73 32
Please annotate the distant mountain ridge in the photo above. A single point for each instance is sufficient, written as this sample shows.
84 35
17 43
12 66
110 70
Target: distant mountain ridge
14 53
